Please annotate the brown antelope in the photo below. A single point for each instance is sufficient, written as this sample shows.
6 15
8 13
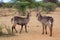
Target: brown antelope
20 21
46 21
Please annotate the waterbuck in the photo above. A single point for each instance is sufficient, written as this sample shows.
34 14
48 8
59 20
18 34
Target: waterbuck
20 21
46 21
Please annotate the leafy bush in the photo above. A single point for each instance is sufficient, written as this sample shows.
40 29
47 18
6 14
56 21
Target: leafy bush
21 6
7 5
9 30
48 6
1 30
39 5
58 4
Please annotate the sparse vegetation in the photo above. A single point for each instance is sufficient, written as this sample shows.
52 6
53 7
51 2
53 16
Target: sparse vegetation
58 4
7 5
47 7
8 30
22 5
1 30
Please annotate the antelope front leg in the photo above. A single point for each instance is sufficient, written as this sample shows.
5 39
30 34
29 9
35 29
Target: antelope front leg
21 28
13 27
50 31
26 29
15 30
43 29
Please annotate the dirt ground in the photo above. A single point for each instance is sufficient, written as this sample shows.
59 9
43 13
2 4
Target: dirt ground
34 28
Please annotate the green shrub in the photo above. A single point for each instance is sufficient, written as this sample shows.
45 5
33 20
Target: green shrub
48 7
1 30
9 30
21 6
58 4
7 5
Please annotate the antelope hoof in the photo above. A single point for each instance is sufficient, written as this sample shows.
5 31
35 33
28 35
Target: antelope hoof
16 32
46 32
43 33
50 35
26 31
20 32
